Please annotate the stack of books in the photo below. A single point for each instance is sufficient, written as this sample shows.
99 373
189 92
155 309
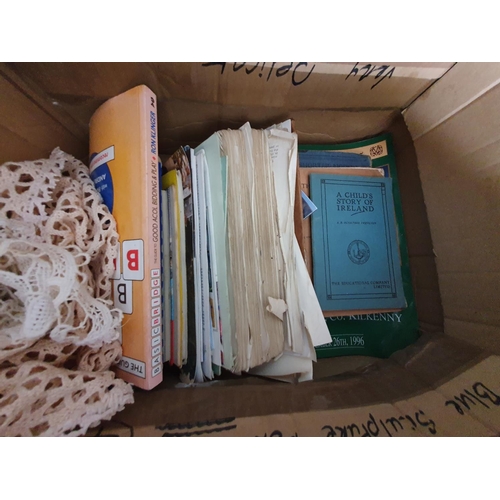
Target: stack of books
354 245
220 281
252 306
224 264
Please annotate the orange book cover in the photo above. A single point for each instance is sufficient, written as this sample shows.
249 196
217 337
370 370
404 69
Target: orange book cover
124 168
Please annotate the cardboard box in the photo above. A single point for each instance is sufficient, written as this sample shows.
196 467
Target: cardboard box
445 121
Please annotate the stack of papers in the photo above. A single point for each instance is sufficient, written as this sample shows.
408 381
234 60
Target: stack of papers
253 304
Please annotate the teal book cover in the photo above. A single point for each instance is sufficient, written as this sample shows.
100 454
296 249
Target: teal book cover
356 262
379 334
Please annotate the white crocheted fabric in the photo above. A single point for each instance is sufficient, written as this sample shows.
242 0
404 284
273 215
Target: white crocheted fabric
57 245
47 291
43 400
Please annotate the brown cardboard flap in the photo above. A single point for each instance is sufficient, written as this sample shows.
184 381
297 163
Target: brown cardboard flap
16 148
301 85
413 387
429 306
477 303
458 149
290 85
27 132
464 83
484 336
196 99
424 274
467 405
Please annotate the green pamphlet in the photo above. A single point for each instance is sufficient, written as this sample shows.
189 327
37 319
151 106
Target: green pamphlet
378 334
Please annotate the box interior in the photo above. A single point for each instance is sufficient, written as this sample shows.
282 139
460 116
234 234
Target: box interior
447 148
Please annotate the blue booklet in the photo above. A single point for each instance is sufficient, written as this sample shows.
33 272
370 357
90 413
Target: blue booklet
319 159
356 263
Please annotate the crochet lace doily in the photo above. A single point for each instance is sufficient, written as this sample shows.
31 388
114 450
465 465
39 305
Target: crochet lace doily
57 321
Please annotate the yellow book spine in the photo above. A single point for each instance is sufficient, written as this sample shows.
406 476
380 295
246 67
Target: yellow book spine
173 178
124 167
